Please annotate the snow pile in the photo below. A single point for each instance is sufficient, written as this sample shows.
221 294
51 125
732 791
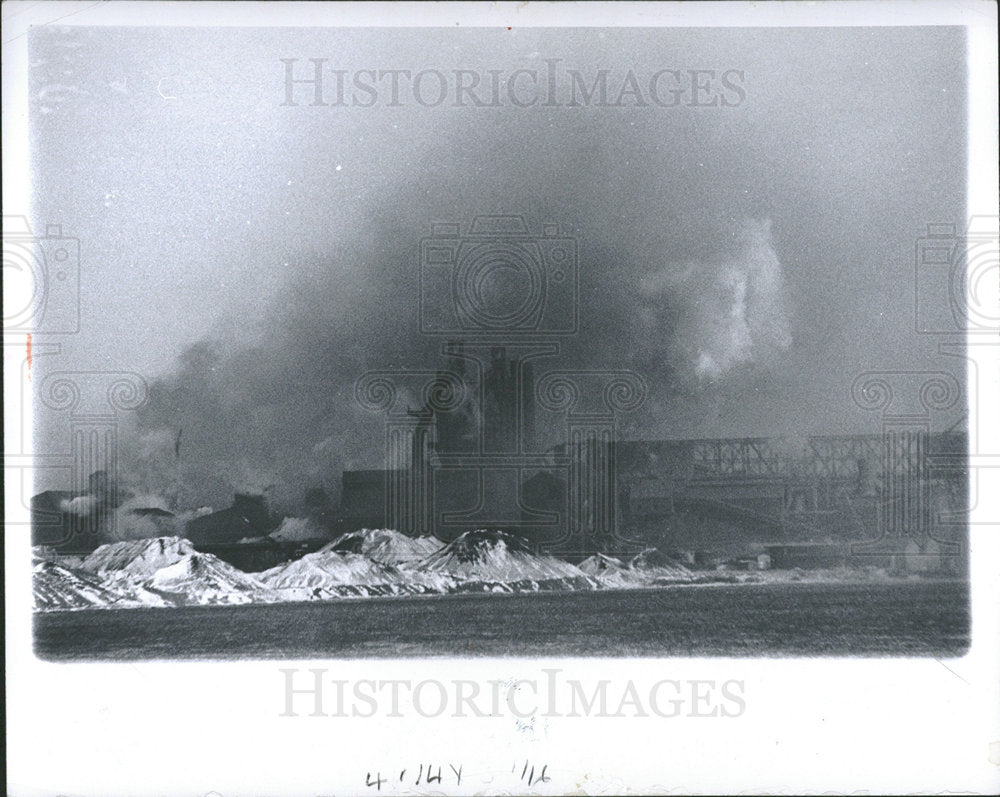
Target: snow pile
656 568
201 578
649 569
495 561
168 571
327 574
57 587
611 572
137 559
332 574
374 562
387 546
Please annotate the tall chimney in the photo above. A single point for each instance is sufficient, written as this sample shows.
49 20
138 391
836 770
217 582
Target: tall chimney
528 442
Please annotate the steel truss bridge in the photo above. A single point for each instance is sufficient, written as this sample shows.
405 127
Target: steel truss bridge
803 485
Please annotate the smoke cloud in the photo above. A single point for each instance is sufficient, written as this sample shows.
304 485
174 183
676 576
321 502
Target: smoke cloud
277 415
81 506
297 230
721 313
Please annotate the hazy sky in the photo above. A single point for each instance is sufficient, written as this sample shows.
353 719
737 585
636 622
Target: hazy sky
251 259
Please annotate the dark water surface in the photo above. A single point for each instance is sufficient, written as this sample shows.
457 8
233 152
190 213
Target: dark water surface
883 619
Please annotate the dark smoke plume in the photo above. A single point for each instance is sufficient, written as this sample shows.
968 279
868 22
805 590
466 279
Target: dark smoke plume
278 415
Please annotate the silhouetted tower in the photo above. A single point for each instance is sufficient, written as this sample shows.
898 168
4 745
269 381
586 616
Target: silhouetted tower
500 403
528 441
457 429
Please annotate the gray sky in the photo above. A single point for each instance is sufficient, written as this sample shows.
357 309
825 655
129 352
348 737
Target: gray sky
252 260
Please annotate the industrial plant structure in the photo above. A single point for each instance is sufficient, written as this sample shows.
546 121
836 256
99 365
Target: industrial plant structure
491 445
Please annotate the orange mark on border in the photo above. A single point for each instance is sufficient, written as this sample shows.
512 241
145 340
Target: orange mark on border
29 355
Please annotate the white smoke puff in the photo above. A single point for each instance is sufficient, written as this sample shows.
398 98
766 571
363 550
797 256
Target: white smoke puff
150 515
135 525
137 522
183 518
295 529
82 505
729 311
143 516
765 302
145 501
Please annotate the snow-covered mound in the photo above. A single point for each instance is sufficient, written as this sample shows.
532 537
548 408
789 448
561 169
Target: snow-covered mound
137 559
496 561
387 546
57 587
649 569
201 578
331 574
612 572
658 568
601 564
165 571
169 571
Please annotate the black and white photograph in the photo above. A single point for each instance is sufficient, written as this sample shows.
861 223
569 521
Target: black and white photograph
541 377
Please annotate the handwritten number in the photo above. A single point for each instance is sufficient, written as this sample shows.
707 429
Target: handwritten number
529 774
532 780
